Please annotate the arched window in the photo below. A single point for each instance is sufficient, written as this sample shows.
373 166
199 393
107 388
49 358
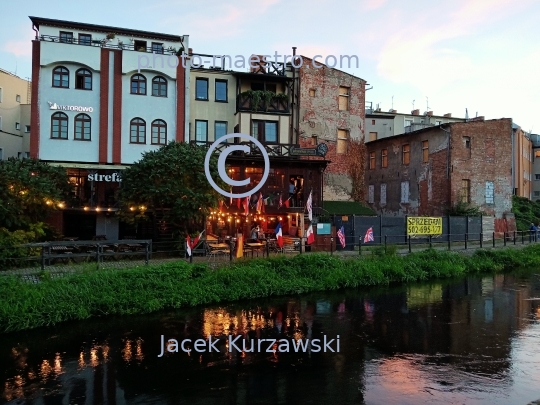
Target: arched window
159 132
138 84
59 126
83 79
159 87
82 127
60 77
138 131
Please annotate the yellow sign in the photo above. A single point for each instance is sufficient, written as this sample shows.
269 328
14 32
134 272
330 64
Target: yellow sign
424 226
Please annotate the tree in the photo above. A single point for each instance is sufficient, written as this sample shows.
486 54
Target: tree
29 191
172 181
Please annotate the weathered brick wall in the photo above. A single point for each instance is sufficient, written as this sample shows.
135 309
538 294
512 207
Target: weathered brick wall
320 117
489 158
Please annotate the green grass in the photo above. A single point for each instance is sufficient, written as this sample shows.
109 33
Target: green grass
143 289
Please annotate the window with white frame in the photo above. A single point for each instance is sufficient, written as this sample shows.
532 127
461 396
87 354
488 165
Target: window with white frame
18 98
404 192
18 126
490 192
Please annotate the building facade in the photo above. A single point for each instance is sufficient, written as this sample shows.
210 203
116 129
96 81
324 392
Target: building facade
15 96
102 96
331 112
429 171
381 124
523 162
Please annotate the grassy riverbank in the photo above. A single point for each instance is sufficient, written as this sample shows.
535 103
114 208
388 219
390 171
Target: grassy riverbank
173 285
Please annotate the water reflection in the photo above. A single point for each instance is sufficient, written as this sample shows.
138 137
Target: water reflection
473 340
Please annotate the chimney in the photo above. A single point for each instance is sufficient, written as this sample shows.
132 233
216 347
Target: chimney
190 51
481 118
429 113
447 115
392 112
415 112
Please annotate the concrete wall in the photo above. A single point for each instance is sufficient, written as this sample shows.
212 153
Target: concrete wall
320 117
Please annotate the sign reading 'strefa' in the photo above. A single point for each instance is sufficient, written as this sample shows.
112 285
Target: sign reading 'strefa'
424 226
54 106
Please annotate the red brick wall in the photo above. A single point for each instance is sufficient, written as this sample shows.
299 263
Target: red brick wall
104 105
320 116
34 113
117 109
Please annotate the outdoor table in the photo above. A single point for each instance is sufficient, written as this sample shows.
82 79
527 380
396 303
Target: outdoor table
255 246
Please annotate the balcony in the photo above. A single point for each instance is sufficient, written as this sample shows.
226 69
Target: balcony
263 101
105 43
273 150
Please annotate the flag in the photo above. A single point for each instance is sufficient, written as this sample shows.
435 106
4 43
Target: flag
279 235
369 236
230 199
287 202
309 206
260 203
221 204
310 235
188 245
239 203
280 202
341 236
191 244
246 206
240 245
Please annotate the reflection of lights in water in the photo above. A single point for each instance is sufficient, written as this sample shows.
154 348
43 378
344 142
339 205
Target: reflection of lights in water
140 355
14 389
126 351
45 370
58 364
81 360
105 351
94 362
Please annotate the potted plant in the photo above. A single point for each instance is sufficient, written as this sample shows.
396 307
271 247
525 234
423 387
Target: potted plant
179 52
110 36
120 44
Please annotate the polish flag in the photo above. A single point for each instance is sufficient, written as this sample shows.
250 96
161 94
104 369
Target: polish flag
246 206
191 244
279 235
310 235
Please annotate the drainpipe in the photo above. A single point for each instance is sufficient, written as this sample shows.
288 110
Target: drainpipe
513 157
36 31
448 166
293 115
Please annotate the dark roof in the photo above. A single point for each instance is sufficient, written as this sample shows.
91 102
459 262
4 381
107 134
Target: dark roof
411 133
333 68
347 208
37 21
379 114
262 76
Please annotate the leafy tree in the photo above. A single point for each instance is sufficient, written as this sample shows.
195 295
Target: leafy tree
172 181
29 191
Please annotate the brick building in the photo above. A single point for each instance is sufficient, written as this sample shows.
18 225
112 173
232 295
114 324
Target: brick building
425 172
331 111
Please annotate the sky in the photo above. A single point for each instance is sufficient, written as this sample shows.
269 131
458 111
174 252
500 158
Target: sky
479 55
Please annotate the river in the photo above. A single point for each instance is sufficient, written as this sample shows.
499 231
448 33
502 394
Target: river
468 341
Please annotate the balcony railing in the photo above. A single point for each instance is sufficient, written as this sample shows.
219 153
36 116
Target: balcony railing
273 150
105 43
261 101
415 127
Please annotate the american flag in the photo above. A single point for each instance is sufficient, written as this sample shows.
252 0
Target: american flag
280 201
341 236
369 236
309 206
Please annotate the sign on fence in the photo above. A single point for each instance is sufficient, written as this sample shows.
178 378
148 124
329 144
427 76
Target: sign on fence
424 226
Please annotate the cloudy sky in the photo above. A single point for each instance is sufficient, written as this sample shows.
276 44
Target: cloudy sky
480 55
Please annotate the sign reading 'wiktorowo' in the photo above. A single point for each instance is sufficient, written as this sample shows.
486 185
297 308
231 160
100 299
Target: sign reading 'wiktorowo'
54 106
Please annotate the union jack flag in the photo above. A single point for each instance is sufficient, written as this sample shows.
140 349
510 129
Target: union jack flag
369 236
341 236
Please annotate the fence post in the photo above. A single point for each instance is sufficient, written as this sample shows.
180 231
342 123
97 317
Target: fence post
42 258
98 254
409 237
493 239
385 237
232 246
522 238
331 245
481 239
466 238
449 240
430 242
146 252
514 237
267 250
360 246
504 236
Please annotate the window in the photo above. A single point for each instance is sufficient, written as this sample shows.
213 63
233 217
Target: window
537 176
220 129
467 142
138 85
490 192
201 89
343 98
372 160
66 37
138 131
536 154
83 79
373 136
82 127
536 193
159 87
85 39
221 90
27 128
438 122
1 94
159 132
465 191
312 92
384 158
0 122
408 123
372 122
60 77
425 151
157 47
201 131
140 46
314 140
265 131
404 192
17 126
59 126
383 194
342 141
371 194
18 98
1 154
406 151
